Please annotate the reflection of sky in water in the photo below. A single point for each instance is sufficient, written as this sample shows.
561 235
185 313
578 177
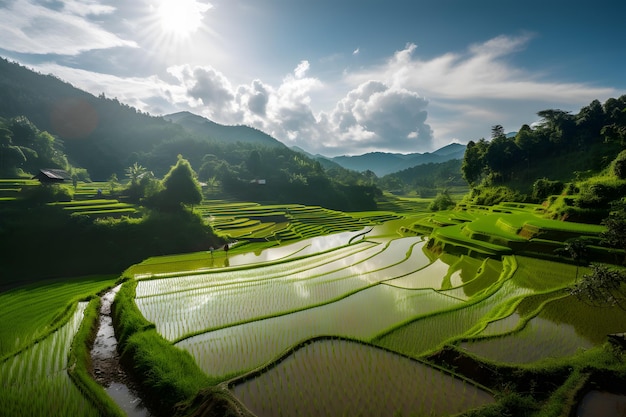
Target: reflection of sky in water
177 313
539 339
362 316
504 325
302 248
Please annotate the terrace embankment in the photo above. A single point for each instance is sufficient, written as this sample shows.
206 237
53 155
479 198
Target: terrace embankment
542 382
106 368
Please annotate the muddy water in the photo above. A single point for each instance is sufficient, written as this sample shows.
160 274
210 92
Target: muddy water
106 364
599 403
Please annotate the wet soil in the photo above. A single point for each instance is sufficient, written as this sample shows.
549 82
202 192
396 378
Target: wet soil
106 367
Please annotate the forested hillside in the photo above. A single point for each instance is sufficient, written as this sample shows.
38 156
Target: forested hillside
573 163
100 138
579 142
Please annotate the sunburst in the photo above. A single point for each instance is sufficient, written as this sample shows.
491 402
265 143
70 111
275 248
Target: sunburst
181 18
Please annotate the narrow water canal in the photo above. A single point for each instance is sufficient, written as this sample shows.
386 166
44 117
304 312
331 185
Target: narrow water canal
106 363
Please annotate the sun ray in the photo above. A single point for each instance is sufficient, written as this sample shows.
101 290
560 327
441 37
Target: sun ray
181 18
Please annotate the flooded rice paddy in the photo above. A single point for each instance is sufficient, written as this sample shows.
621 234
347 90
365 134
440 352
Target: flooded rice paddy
338 377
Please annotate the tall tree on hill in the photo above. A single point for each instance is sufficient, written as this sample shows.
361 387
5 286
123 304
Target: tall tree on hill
474 162
501 157
180 187
559 126
589 121
497 131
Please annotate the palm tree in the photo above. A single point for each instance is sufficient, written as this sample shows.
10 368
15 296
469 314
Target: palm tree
135 172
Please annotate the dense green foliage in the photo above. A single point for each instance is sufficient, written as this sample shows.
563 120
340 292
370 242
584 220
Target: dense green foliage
44 241
180 188
26 149
561 144
425 179
106 137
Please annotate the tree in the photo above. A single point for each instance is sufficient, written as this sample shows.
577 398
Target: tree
526 141
473 161
589 122
135 172
577 250
497 131
180 186
615 233
443 201
604 287
253 163
559 125
501 157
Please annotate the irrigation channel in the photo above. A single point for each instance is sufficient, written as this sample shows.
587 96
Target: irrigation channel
106 363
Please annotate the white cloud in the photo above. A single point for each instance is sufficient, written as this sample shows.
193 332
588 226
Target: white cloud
469 92
481 73
407 104
301 69
29 27
374 116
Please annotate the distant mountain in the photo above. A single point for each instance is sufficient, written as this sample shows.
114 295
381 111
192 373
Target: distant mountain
205 128
383 163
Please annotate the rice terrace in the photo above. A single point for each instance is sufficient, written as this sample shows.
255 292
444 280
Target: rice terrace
172 266
316 312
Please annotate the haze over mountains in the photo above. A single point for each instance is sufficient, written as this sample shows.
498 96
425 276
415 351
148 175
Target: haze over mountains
106 136
381 163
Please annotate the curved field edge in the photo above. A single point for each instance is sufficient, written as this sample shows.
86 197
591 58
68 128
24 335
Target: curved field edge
547 389
311 306
36 381
366 362
167 375
563 387
31 313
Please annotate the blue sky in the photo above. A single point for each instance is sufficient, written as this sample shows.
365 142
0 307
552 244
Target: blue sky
336 77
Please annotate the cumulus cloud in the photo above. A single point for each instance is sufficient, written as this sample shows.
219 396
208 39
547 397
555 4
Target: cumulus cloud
406 104
60 28
374 116
470 90
255 97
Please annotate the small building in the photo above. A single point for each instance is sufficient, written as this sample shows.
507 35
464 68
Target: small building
52 176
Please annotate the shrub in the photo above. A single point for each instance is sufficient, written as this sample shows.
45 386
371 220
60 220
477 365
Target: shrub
619 166
543 188
42 194
488 196
601 192
443 201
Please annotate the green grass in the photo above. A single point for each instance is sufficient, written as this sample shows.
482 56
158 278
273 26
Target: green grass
169 375
467 287
31 312
35 381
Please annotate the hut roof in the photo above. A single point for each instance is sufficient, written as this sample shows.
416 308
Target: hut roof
50 174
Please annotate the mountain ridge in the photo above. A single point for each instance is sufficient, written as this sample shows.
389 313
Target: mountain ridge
381 163
203 126
384 163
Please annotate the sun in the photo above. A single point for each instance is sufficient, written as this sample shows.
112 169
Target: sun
181 17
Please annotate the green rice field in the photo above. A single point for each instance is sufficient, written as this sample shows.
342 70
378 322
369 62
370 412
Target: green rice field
316 312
